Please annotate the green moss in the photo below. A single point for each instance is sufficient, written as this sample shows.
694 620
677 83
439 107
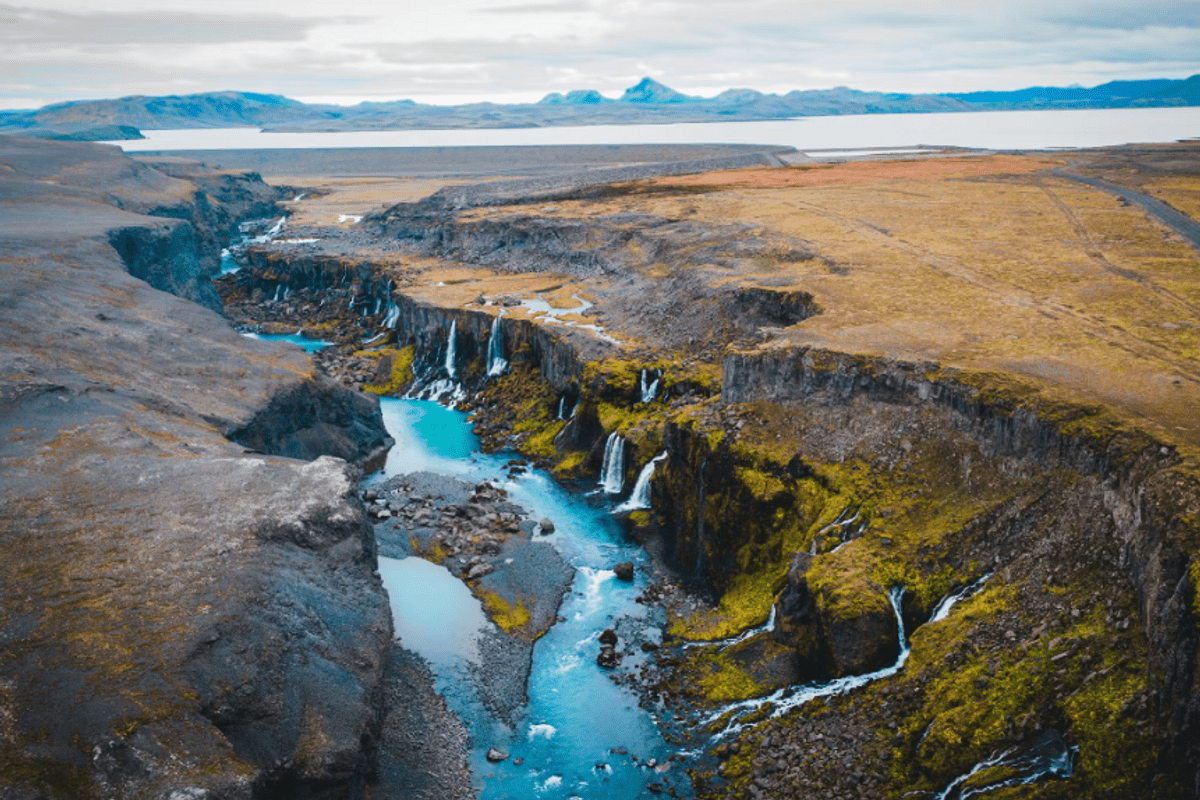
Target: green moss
568 466
746 604
401 375
987 697
512 618
726 680
541 443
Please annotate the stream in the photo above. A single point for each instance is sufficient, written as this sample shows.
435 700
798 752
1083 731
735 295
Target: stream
581 735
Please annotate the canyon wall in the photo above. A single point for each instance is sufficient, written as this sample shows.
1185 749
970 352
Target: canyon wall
181 617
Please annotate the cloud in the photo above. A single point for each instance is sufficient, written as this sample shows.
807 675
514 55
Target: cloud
30 26
470 48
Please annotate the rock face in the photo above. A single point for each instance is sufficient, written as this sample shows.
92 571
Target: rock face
179 616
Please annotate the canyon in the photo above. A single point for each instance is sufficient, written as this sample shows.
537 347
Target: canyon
923 504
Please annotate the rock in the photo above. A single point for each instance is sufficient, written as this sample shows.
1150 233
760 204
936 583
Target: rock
609 658
547 525
496 755
624 571
608 637
654 788
273 544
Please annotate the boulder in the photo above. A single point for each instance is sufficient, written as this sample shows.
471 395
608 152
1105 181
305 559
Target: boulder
624 571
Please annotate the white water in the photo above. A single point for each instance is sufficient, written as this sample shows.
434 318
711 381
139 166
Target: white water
802 694
612 473
649 390
1031 766
1035 130
641 489
725 644
942 610
450 349
393 315
496 365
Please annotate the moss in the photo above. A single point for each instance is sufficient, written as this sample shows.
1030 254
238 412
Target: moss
746 604
48 775
1194 578
762 485
401 374
726 680
568 466
988 699
541 443
512 618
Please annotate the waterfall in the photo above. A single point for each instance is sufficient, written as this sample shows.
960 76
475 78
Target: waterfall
378 305
351 306
276 228
725 644
612 474
287 292
1049 756
641 490
649 390
278 293
450 348
790 697
942 610
562 403
393 315
496 365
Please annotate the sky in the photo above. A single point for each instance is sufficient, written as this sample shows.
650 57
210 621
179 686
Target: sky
459 51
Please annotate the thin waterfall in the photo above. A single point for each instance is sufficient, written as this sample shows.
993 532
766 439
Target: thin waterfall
378 305
649 390
1048 756
725 644
942 609
640 498
790 697
612 473
278 293
393 315
497 365
450 348
562 404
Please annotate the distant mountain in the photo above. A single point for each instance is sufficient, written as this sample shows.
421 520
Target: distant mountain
649 101
651 91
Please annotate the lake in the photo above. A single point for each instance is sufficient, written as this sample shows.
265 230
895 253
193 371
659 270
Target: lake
1000 130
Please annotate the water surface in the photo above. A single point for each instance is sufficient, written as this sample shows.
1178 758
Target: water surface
576 715
1003 130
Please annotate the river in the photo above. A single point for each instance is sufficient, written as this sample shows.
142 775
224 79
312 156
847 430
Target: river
1000 130
576 716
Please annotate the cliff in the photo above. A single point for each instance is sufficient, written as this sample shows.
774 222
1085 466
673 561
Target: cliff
180 616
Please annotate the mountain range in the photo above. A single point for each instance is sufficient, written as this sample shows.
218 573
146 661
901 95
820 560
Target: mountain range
647 102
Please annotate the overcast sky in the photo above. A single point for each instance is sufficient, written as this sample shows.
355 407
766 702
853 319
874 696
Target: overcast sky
454 51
